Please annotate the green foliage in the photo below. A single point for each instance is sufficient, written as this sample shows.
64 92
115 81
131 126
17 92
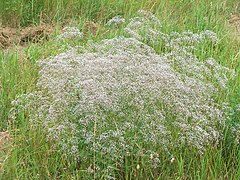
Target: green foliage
26 12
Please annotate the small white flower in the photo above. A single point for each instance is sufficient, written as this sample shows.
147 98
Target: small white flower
172 160
116 21
70 33
151 156
90 170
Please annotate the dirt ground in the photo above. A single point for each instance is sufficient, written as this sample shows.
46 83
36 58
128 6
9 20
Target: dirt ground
35 34
12 36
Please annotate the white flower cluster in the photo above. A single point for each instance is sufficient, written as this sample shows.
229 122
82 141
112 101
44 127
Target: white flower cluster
146 27
187 40
70 33
118 97
116 21
143 26
237 108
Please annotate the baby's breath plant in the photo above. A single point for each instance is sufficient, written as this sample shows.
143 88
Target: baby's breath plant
120 98
70 33
116 21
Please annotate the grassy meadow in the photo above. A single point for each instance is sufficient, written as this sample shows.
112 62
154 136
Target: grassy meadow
28 154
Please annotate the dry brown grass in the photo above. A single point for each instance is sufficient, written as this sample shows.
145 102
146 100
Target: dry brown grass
5 148
234 24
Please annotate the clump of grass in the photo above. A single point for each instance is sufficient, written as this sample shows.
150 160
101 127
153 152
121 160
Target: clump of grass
24 13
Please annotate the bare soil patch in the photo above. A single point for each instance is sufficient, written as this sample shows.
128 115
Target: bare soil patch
10 36
7 36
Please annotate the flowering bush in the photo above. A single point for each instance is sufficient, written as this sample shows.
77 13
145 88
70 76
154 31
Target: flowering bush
119 97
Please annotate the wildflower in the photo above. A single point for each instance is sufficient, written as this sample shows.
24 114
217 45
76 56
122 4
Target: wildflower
151 156
237 107
70 33
90 170
116 21
127 92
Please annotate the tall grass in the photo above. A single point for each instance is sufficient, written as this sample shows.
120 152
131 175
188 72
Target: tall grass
32 157
22 12
26 12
